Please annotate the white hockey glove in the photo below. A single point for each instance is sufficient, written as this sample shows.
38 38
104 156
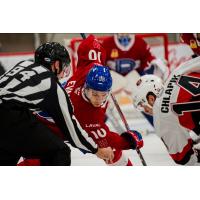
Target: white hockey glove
159 68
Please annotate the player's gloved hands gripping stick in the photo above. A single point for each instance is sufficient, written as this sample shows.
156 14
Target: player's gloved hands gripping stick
134 137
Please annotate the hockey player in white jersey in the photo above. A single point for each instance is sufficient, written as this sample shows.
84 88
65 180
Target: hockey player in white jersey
175 107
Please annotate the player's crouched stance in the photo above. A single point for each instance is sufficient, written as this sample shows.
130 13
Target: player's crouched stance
171 105
90 102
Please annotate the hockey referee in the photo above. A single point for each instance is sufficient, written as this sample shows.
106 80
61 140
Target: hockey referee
31 86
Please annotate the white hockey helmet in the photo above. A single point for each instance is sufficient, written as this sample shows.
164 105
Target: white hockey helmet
146 84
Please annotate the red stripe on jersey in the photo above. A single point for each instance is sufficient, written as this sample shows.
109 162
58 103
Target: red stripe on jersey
52 126
180 155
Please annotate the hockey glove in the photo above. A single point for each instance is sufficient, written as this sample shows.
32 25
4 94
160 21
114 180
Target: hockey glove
134 137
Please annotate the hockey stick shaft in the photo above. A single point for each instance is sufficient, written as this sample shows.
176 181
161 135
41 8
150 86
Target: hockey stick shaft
127 126
83 35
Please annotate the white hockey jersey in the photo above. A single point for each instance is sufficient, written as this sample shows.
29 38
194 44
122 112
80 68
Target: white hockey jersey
170 107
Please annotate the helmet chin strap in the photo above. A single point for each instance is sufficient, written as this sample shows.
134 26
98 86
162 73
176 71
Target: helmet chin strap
85 94
60 66
57 71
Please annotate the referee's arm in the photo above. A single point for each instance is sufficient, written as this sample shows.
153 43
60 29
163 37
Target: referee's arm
59 107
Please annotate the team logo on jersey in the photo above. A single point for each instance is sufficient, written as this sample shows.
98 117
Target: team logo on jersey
114 53
193 44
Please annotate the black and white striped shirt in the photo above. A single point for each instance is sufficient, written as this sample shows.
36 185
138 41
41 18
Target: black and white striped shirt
36 88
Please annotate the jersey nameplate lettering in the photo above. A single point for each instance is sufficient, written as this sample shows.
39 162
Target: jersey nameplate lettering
168 91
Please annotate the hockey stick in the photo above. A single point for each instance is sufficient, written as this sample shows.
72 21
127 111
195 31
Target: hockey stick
127 127
122 117
83 35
